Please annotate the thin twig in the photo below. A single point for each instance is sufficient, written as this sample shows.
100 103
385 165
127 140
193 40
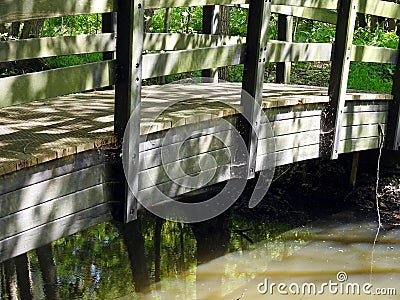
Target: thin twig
381 143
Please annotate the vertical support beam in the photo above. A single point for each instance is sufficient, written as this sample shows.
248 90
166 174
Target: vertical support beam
285 33
128 93
354 169
210 26
253 76
332 117
393 132
109 25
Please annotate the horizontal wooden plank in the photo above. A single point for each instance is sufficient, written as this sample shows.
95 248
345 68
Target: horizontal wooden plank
180 3
47 233
52 210
57 168
289 126
359 144
374 54
179 150
288 156
285 113
213 126
172 189
55 46
380 8
161 64
54 188
352 107
178 41
48 84
364 118
279 51
322 15
361 131
18 10
288 141
189 166
308 3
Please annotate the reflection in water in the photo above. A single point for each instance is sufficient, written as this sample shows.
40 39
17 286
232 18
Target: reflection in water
226 258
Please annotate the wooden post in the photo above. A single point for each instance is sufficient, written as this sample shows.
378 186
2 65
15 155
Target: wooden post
128 93
109 25
354 169
210 26
393 131
332 116
285 33
253 76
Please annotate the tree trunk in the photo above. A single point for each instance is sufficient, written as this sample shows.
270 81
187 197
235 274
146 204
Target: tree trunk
32 29
362 21
148 15
23 276
10 278
224 15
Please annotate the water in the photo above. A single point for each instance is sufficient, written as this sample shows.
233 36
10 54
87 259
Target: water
229 258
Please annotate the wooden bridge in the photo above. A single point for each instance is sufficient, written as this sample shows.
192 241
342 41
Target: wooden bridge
61 132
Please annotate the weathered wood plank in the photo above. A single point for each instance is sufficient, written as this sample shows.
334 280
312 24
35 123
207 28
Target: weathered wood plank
288 156
289 141
307 3
56 168
180 3
380 8
374 54
364 118
361 131
179 150
279 51
48 84
285 113
155 65
322 15
213 126
18 10
178 41
190 166
53 231
54 46
289 126
365 107
172 189
41 192
54 209
359 144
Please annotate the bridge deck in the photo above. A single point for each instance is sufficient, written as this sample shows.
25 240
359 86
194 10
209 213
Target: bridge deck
41 131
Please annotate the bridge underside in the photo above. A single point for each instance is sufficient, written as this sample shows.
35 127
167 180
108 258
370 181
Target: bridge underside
60 152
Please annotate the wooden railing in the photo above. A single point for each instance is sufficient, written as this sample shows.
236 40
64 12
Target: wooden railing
126 65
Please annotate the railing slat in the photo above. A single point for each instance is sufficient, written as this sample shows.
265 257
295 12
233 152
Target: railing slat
155 65
380 8
48 84
18 10
184 3
54 46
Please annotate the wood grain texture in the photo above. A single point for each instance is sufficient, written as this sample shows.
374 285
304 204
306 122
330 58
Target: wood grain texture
18 10
56 46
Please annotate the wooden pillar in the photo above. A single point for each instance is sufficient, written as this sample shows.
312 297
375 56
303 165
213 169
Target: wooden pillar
128 93
210 26
354 169
285 33
393 132
253 76
332 116
109 25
